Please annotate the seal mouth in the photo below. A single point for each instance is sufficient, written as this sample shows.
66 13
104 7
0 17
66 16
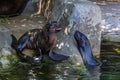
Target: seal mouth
58 29
54 27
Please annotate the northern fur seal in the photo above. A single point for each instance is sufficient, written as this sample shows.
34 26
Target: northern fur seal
85 49
42 41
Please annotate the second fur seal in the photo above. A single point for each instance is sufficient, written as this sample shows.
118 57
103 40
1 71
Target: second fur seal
85 50
42 41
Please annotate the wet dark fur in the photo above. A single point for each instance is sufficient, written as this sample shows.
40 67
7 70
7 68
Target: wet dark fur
42 41
85 50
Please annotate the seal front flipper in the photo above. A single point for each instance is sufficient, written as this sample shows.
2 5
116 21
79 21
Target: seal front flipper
57 57
23 41
85 49
38 58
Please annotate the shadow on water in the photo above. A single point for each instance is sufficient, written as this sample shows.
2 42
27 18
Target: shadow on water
110 58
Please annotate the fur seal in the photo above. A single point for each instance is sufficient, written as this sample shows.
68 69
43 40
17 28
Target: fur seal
43 41
84 48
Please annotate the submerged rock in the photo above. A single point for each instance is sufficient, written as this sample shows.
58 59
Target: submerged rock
7 58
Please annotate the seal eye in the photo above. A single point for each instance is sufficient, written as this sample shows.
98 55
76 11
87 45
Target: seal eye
53 25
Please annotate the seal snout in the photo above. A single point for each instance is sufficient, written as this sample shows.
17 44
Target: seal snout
77 35
54 27
58 29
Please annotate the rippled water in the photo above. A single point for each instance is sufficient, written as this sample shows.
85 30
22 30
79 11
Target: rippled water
50 70
110 58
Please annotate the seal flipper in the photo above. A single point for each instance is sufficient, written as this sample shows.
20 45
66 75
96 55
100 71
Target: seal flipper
57 57
85 49
20 47
38 58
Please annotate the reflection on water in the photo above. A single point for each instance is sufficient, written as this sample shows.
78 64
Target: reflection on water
50 70
110 58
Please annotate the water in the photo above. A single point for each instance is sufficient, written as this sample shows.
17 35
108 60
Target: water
50 70
110 58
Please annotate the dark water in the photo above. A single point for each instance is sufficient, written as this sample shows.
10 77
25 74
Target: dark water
110 58
50 70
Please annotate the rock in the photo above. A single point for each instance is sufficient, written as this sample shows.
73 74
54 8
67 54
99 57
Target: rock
29 9
12 8
111 36
7 58
77 15
5 38
111 22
